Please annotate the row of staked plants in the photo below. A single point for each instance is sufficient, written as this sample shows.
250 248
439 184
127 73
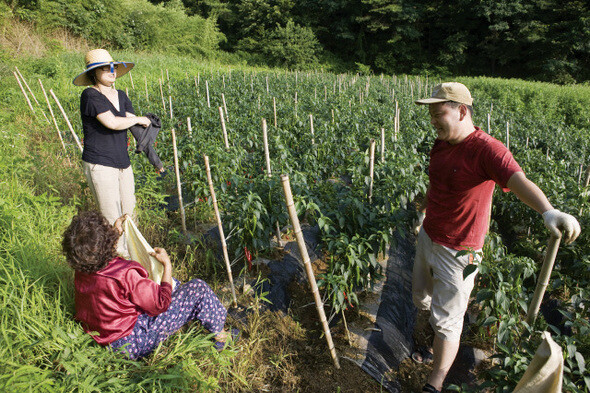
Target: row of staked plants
329 174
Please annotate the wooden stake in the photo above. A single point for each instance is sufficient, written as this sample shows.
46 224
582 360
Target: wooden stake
67 120
162 95
310 276
27 85
178 184
207 88
332 116
371 167
267 91
225 107
196 86
266 152
170 101
274 108
24 92
382 143
223 128
32 94
221 234
311 126
543 280
132 84
52 116
189 127
508 135
489 123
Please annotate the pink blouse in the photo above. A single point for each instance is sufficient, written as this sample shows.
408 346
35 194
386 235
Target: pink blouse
109 301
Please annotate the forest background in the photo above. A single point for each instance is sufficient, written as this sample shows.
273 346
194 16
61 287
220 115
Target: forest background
543 40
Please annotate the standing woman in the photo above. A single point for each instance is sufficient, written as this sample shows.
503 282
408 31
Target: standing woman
107 113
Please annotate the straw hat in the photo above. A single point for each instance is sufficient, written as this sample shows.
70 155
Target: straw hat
98 58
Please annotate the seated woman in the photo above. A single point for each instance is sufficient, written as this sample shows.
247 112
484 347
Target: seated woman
115 298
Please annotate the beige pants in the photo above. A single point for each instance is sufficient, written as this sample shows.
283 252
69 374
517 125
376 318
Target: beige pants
114 190
438 285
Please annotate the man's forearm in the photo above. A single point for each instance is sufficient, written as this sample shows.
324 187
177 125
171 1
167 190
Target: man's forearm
528 192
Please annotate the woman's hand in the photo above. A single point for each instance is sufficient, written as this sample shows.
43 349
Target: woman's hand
162 256
118 225
143 121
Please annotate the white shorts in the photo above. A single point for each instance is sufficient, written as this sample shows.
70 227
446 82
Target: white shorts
438 285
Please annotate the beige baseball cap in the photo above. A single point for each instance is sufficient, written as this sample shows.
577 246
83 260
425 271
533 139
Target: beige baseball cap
448 91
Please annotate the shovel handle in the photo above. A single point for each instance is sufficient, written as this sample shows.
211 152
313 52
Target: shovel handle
543 281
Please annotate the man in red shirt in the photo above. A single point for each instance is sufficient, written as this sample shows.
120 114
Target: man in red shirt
465 165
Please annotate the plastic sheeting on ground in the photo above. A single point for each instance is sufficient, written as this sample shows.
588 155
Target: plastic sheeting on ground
545 372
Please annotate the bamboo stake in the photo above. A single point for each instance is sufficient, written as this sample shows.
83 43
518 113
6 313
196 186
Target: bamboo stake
162 95
508 135
310 276
223 128
311 125
269 174
189 127
52 116
32 94
371 167
196 86
132 84
274 108
24 92
543 281
170 101
382 143
27 85
587 181
266 152
221 234
332 116
207 87
489 123
67 120
267 91
178 184
225 107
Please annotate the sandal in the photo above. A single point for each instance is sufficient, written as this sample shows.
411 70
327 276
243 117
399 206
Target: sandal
423 355
428 388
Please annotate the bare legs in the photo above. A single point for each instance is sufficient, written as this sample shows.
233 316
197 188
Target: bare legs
444 353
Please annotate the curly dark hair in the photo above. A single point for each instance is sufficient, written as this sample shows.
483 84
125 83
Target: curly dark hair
89 242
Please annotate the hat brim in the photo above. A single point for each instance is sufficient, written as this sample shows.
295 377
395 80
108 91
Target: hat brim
428 101
83 80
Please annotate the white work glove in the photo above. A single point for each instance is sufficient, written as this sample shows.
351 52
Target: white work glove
560 223
417 224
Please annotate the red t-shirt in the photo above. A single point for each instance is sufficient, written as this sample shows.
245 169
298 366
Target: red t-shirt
110 300
462 179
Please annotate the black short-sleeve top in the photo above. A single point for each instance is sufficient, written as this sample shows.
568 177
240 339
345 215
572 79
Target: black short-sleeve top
102 145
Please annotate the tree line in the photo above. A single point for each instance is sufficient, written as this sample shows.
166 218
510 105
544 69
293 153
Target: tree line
547 40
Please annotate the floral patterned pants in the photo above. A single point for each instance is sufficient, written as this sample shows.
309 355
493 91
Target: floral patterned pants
193 301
